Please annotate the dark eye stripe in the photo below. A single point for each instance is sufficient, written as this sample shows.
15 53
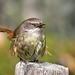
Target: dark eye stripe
33 24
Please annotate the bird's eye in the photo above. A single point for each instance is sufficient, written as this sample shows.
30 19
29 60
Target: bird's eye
33 24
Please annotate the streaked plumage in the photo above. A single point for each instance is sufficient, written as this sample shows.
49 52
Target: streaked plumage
28 40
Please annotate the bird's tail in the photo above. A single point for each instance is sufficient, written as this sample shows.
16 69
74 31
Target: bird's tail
9 32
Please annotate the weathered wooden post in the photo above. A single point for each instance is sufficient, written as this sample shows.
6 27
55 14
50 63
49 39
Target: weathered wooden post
32 68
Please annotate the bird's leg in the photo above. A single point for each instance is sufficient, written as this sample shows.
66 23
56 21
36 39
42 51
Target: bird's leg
36 61
20 59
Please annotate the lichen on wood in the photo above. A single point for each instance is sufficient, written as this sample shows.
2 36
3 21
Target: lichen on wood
45 68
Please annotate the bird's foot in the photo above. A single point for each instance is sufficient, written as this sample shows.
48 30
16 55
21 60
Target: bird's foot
38 61
24 61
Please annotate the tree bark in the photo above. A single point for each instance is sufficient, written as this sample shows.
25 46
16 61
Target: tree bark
32 68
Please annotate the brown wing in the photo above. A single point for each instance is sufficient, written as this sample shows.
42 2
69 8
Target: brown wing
9 32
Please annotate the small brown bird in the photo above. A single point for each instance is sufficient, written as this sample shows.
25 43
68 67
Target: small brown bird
28 40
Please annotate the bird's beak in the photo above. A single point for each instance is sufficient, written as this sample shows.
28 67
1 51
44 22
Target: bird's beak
41 26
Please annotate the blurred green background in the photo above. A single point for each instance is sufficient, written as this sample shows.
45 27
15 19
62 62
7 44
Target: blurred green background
59 17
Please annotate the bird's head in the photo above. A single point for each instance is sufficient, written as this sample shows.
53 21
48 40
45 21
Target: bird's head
34 23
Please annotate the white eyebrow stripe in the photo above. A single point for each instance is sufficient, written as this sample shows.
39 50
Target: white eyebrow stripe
35 22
